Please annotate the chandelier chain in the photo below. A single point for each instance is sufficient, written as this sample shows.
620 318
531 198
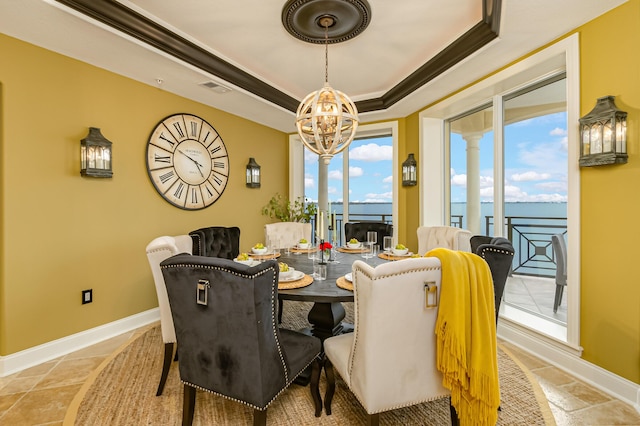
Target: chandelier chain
326 53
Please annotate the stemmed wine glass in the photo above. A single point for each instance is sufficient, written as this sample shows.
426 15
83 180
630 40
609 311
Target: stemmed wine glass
387 243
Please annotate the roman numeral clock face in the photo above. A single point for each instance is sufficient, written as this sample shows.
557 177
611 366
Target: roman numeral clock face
187 161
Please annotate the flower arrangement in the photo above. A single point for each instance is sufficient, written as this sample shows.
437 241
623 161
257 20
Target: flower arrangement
325 248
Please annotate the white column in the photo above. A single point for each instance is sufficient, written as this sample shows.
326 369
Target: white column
473 182
323 192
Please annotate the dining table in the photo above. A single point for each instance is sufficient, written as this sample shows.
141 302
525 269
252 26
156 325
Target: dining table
327 313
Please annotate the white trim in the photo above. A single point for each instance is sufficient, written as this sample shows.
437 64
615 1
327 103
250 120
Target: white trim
36 355
557 355
433 173
296 168
573 290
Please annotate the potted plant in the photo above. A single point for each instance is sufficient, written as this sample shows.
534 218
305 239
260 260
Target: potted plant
281 208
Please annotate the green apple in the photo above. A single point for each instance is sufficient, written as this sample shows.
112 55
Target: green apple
353 241
400 247
303 241
243 256
259 246
283 267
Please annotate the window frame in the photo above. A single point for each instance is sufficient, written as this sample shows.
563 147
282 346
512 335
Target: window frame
562 56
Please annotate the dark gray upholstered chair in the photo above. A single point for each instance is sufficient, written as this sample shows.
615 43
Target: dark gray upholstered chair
560 253
216 241
498 253
358 230
228 339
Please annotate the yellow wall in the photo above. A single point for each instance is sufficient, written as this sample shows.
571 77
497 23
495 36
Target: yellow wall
62 233
610 287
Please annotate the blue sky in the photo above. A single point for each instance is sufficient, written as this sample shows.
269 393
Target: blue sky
370 172
535 162
535 165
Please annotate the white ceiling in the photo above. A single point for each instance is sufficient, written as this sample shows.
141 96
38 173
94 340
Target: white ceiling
249 34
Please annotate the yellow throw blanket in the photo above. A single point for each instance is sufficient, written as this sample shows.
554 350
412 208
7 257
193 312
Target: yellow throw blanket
466 336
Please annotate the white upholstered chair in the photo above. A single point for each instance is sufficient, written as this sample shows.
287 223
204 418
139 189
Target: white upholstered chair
389 361
287 234
430 237
158 250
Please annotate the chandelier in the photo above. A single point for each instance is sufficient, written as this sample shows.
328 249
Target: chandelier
326 119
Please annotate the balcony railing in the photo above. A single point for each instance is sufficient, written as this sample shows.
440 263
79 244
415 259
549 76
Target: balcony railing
531 239
360 217
530 236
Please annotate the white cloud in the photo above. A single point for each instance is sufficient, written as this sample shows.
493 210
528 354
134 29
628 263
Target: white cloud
459 180
355 171
486 181
515 194
335 175
378 198
332 190
552 186
558 132
310 156
309 181
388 179
529 176
372 152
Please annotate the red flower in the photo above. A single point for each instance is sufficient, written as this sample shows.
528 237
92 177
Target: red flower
326 246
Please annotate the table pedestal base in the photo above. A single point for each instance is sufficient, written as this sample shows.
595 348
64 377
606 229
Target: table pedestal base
326 319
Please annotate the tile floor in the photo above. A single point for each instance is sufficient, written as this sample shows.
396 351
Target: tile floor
536 295
40 395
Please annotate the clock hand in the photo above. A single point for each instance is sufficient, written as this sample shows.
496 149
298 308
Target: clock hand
195 161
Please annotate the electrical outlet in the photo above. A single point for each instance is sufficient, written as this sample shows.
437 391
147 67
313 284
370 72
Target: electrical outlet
87 296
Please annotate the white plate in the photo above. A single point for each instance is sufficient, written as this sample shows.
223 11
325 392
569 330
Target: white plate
400 255
293 277
349 277
288 273
249 262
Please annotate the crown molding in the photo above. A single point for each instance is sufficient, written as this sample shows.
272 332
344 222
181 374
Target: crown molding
128 21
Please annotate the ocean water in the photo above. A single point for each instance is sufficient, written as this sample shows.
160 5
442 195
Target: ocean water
374 211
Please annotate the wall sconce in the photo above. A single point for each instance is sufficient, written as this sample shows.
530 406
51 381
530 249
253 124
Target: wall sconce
253 174
603 134
95 155
409 171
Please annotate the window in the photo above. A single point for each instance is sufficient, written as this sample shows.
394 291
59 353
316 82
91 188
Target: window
503 151
360 179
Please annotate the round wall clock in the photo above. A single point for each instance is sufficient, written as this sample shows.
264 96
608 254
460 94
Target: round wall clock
187 161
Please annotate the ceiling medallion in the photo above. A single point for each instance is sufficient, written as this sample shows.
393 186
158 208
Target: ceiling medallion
301 18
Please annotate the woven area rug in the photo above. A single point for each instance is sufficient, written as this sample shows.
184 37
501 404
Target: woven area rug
122 392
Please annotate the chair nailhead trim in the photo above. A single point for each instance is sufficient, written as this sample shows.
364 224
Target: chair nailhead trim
274 286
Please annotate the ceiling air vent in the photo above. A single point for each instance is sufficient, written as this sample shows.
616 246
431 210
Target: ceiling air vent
218 88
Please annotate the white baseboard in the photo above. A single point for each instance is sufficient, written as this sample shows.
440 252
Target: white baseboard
27 358
612 384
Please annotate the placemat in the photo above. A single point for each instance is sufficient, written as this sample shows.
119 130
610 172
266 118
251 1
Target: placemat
264 256
302 282
343 283
350 250
386 256
300 250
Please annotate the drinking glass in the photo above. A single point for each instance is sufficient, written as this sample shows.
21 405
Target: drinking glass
366 250
320 271
372 237
387 244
